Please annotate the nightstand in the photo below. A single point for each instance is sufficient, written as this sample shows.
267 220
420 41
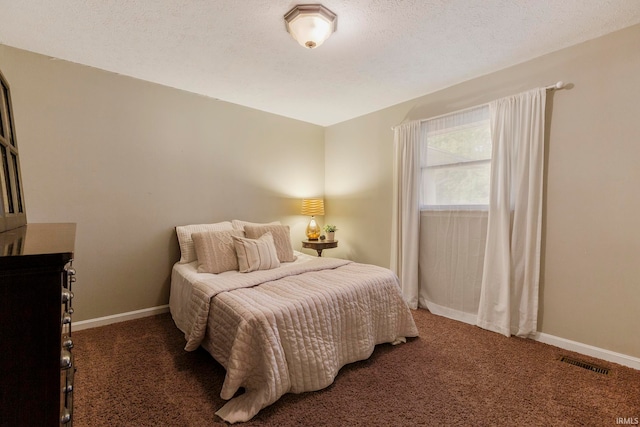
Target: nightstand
319 245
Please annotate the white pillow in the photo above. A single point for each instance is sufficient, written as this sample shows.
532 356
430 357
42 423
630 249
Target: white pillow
187 250
256 254
281 238
239 224
216 251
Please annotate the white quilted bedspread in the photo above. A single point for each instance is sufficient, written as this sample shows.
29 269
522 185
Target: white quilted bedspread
291 329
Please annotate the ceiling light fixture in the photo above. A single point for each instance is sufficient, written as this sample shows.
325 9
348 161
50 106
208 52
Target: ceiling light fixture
310 24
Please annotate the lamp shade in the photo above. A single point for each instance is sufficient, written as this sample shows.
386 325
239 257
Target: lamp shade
312 207
310 24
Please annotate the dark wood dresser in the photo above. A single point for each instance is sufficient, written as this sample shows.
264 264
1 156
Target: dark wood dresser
36 363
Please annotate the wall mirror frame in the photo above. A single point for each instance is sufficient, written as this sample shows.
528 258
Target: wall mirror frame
12 209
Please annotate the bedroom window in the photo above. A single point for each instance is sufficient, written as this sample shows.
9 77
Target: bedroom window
455 160
12 212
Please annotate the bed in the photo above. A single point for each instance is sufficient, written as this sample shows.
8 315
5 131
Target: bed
288 328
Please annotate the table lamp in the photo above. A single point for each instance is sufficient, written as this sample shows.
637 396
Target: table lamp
313 207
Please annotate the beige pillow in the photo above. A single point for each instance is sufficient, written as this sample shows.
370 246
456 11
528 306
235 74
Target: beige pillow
187 250
216 251
281 238
256 254
239 224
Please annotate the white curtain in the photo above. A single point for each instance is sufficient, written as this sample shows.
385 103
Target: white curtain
453 236
509 294
406 209
452 244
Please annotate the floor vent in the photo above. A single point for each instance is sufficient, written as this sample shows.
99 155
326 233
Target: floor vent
589 366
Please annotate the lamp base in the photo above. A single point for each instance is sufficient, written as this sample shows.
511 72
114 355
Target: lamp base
313 230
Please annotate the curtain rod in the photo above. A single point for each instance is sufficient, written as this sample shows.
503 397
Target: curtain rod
558 85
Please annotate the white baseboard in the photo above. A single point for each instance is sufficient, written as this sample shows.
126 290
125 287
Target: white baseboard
449 313
122 317
589 350
565 344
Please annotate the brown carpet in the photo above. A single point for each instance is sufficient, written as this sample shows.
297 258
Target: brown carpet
136 373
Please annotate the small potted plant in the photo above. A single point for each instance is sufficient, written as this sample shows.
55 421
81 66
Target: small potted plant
331 231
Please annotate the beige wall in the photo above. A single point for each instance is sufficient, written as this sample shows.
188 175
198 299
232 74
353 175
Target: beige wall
128 161
591 240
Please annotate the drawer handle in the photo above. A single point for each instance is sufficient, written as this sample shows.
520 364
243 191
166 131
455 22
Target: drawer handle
67 295
65 359
66 318
66 416
67 343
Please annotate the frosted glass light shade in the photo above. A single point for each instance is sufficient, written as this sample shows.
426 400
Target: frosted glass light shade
310 24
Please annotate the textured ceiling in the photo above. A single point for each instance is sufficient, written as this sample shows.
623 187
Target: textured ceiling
384 51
